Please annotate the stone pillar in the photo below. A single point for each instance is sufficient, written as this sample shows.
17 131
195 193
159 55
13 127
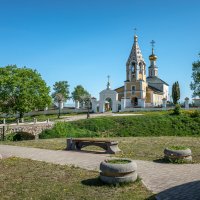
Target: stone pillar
77 105
187 103
22 120
164 102
61 105
101 106
142 103
94 105
34 120
115 107
123 104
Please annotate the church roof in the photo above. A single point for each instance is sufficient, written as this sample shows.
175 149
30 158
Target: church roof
156 90
135 54
119 88
156 80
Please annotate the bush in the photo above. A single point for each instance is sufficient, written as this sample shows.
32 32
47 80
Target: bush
177 110
66 129
194 114
19 136
126 126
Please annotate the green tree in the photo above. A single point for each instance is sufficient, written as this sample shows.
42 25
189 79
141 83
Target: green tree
175 92
60 94
78 92
22 90
195 85
86 99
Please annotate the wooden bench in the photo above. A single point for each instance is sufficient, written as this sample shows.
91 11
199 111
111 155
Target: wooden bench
79 143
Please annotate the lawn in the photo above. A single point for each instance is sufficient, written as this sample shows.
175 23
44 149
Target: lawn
28 179
142 148
151 124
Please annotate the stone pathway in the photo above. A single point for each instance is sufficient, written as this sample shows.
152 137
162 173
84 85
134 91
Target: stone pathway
169 181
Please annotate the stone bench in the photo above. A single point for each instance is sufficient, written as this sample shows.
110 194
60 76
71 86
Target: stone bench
79 143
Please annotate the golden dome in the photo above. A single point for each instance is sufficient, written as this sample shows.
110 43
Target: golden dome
153 57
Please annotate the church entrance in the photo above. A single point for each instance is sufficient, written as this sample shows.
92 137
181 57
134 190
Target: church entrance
108 104
134 101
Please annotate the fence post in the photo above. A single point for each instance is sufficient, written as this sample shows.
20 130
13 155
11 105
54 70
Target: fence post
3 135
35 120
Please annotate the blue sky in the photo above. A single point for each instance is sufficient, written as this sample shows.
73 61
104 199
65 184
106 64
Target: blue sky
82 41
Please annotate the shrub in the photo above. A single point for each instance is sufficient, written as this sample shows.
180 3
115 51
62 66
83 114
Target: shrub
194 114
126 126
66 129
19 136
177 110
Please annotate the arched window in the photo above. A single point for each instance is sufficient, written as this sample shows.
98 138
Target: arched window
140 65
133 69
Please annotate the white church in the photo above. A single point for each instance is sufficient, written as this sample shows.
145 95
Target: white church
139 90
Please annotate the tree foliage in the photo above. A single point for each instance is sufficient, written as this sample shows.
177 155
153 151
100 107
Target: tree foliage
79 92
195 85
61 91
86 100
175 92
22 90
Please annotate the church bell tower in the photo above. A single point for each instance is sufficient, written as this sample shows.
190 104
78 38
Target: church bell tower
135 84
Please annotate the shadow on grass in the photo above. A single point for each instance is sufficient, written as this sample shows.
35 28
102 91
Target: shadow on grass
153 197
93 182
162 161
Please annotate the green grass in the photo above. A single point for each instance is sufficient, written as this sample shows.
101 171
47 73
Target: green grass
118 161
139 148
177 147
162 124
28 179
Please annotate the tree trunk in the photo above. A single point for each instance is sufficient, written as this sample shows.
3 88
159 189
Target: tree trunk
21 115
59 109
88 113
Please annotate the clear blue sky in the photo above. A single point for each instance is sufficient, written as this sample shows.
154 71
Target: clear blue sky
82 41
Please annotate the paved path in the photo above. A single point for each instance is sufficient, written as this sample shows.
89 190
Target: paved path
170 181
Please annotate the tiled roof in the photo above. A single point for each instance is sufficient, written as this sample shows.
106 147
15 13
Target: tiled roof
156 80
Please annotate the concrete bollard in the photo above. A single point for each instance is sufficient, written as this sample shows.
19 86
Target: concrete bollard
48 121
22 120
34 120
4 121
36 136
17 121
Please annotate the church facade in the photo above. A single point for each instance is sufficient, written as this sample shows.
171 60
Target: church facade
140 89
